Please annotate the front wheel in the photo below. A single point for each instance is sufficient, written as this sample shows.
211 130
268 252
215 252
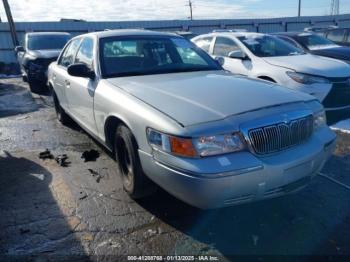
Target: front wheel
135 182
60 113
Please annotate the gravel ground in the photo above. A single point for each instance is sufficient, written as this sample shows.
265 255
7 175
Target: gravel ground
51 210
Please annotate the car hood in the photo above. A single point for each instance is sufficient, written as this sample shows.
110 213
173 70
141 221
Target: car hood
341 52
44 53
198 97
312 64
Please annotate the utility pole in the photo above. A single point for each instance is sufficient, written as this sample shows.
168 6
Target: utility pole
334 7
190 4
11 23
299 8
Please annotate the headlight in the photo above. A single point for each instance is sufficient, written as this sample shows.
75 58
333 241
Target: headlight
319 120
218 144
202 146
307 79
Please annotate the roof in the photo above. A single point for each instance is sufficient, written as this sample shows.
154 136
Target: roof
236 34
293 33
47 33
127 32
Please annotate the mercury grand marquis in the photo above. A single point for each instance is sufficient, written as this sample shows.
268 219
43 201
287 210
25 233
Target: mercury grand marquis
174 118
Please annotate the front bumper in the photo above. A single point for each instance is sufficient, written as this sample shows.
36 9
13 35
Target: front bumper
261 178
334 97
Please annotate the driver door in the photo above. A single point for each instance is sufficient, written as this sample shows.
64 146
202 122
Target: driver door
222 47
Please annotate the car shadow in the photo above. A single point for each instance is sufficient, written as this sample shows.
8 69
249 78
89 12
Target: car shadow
297 224
16 99
31 221
334 117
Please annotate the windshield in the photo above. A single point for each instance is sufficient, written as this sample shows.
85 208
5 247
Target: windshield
151 55
312 41
47 42
269 46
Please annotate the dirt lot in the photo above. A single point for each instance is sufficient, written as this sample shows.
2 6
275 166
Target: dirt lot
54 210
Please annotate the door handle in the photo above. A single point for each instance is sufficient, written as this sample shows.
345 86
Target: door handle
67 83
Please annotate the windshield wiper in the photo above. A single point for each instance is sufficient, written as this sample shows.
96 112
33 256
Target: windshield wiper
159 71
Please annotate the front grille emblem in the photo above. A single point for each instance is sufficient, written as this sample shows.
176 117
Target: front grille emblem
277 137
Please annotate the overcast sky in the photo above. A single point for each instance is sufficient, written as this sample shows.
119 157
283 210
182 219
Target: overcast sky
118 10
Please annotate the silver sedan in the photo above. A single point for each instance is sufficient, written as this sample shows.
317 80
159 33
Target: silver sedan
174 118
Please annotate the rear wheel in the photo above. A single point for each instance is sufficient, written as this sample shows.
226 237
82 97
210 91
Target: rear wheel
60 113
135 182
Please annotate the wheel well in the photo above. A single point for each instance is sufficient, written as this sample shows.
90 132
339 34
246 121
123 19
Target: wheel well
267 78
110 128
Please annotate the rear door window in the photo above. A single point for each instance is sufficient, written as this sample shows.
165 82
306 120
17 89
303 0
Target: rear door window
85 53
204 43
69 53
347 38
224 46
336 35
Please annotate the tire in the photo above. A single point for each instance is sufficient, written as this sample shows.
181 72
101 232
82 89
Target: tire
60 113
35 86
135 182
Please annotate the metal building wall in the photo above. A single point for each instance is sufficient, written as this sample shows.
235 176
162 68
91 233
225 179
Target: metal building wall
197 26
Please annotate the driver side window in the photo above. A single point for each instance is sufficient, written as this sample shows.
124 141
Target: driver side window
223 46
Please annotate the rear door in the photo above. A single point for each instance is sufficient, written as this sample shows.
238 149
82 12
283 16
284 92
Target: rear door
60 75
81 91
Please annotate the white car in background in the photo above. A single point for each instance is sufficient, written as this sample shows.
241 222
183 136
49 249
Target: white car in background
266 57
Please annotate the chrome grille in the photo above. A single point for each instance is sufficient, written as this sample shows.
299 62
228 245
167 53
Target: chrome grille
274 138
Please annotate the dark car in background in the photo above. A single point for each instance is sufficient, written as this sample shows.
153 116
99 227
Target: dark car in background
340 36
316 44
319 29
39 50
186 34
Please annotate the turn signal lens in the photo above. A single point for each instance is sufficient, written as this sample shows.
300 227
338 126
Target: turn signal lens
182 147
171 144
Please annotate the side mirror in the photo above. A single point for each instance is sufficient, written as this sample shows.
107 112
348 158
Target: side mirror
220 60
238 54
80 70
19 49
